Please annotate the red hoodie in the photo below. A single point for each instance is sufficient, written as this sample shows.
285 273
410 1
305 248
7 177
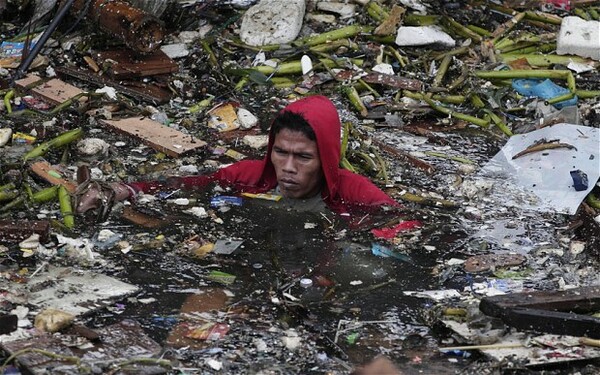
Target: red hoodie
343 191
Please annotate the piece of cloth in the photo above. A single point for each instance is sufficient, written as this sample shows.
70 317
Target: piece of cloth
343 191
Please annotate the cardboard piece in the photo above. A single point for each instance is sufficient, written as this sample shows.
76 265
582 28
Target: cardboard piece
160 137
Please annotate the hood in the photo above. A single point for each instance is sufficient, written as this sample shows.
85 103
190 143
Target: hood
322 116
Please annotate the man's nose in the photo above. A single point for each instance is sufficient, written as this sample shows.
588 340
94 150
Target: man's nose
289 165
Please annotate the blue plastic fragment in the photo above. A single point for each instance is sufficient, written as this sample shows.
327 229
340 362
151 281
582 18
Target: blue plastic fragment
580 180
223 200
545 89
386 252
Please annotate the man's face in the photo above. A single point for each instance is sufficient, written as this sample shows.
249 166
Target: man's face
297 164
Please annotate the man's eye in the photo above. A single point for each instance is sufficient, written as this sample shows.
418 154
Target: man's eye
305 157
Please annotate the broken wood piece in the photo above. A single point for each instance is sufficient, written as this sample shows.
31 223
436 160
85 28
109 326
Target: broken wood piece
54 91
558 312
394 81
405 157
126 64
53 174
489 262
16 231
160 137
140 90
142 219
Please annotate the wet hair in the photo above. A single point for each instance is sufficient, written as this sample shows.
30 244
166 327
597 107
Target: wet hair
294 122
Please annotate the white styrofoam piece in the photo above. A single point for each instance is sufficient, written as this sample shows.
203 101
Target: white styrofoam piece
76 291
422 36
272 22
579 37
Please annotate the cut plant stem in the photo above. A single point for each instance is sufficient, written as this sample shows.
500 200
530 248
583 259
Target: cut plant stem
506 27
461 30
444 156
344 32
561 98
543 17
544 60
499 123
441 72
7 97
57 142
355 100
525 73
586 94
369 88
455 52
295 67
472 119
66 209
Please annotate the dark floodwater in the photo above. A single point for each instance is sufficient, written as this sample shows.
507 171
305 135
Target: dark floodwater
354 310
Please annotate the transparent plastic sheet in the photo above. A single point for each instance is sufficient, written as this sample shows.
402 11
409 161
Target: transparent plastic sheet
541 180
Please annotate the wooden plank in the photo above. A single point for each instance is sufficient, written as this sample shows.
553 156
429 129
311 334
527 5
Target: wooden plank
131 65
559 323
53 175
394 81
161 138
54 91
140 90
558 312
142 219
18 230
582 299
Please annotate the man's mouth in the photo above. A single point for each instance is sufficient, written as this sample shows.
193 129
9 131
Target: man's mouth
288 183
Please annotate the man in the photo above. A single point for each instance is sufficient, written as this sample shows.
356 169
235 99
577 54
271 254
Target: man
301 164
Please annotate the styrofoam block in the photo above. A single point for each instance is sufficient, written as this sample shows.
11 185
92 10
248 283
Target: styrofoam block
422 36
272 22
579 37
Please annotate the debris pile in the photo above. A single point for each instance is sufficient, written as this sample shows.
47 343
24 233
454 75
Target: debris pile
482 118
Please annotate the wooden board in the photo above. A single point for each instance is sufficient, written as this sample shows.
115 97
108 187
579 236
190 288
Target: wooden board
130 65
559 312
140 90
18 230
160 137
48 172
54 91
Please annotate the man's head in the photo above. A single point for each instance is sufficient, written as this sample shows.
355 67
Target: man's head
295 156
